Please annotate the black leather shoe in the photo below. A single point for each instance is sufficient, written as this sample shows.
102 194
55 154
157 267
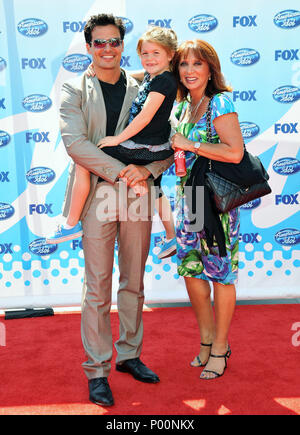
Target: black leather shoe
100 392
138 370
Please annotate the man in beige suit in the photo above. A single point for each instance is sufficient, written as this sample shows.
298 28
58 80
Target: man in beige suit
92 108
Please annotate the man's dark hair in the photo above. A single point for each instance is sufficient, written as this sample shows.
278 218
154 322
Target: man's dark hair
102 20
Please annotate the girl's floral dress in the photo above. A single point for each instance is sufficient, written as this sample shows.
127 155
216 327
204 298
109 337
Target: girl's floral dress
194 258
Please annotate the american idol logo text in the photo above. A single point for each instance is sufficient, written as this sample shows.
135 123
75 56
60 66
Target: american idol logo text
76 62
288 237
286 94
40 247
245 57
251 204
6 211
37 103
40 175
32 27
286 166
127 23
249 129
203 23
288 19
4 138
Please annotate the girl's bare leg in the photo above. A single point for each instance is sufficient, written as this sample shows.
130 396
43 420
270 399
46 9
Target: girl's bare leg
164 210
80 191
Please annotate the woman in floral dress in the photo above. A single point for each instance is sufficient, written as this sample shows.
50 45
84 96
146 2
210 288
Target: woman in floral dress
200 80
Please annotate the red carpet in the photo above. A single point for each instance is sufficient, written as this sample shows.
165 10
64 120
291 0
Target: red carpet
40 366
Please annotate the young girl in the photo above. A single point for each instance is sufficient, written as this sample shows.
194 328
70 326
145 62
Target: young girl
148 131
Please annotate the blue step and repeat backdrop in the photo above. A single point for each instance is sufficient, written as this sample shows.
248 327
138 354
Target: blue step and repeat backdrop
42 45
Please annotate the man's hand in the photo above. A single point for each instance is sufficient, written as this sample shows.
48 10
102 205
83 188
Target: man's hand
140 188
134 174
90 72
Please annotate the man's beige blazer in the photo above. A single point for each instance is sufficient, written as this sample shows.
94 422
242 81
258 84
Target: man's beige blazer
83 124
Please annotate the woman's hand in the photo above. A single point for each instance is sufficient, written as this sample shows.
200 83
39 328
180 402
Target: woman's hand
181 142
90 72
108 141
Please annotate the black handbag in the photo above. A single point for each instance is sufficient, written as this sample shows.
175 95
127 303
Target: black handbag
234 184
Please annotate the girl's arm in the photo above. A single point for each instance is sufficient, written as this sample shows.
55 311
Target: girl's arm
151 106
137 75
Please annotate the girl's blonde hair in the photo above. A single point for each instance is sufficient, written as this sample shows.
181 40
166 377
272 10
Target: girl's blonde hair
167 38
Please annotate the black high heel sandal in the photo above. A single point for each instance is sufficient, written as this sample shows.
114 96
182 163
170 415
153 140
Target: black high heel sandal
199 363
217 375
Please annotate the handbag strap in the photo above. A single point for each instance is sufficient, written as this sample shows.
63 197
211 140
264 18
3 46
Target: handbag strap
208 122
208 128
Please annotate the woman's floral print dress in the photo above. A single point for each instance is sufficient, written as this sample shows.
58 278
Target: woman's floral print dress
194 258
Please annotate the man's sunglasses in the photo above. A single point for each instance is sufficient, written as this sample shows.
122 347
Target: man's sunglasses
101 43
